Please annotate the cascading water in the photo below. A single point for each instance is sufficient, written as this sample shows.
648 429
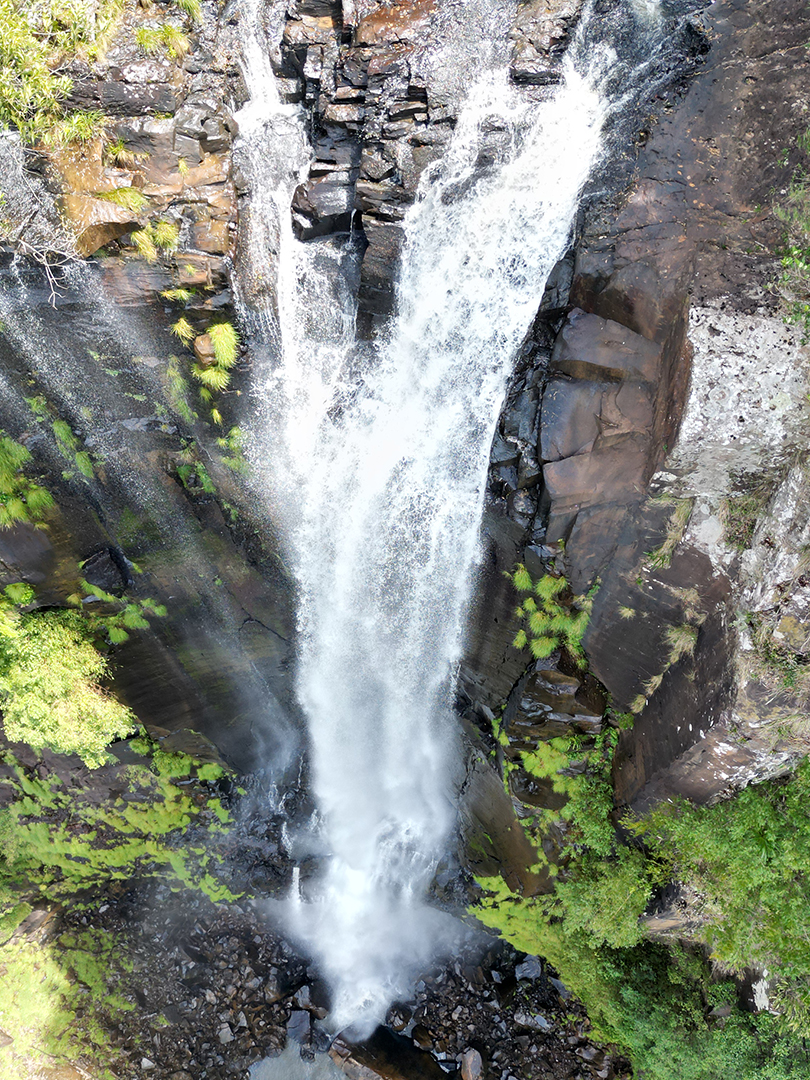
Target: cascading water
380 490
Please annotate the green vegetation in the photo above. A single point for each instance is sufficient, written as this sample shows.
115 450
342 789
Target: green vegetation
233 445
745 864
661 558
163 40
69 447
50 682
129 197
748 859
55 840
184 330
194 477
553 617
21 499
156 237
117 615
163 818
33 41
178 392
793 284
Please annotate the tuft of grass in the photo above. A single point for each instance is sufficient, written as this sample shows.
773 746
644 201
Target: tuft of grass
165 40
627 613
661 558
129 197
166 235
213 378
179 296
192 8
76 127
145 244
682 641
225 340
184 330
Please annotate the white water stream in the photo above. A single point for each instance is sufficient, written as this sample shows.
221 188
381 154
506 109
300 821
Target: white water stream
379 485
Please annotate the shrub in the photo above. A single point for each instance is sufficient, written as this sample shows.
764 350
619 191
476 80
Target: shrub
50 687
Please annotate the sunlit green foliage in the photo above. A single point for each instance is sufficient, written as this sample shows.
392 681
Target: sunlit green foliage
57 840
552 617
21 500
51 691
33 39
748 858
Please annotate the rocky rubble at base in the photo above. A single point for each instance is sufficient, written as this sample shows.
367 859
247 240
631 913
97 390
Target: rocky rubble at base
214 989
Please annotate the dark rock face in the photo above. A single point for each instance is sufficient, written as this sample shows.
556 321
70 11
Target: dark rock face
617 375
381 114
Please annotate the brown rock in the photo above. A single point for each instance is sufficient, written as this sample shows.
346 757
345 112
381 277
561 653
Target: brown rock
589 347
613 474
402 21
211 236
472 1067
204 350
96 221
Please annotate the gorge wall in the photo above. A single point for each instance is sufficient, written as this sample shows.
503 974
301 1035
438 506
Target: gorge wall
657 376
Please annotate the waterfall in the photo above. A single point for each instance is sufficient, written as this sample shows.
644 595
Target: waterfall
376 461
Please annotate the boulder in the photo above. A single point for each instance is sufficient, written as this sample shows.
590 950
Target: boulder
204 350
472 1067
96 221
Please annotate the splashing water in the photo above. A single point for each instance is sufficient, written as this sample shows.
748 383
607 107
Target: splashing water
378 472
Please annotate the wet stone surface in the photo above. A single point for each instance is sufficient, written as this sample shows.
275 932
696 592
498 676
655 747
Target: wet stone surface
214 989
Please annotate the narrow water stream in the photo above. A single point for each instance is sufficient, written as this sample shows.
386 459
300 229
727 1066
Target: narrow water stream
376 457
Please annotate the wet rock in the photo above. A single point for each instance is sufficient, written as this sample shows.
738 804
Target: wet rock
324 205
532 1021
589 347
211 236
530 969
472 1066
106 571
299 1026
225 1034
204 350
